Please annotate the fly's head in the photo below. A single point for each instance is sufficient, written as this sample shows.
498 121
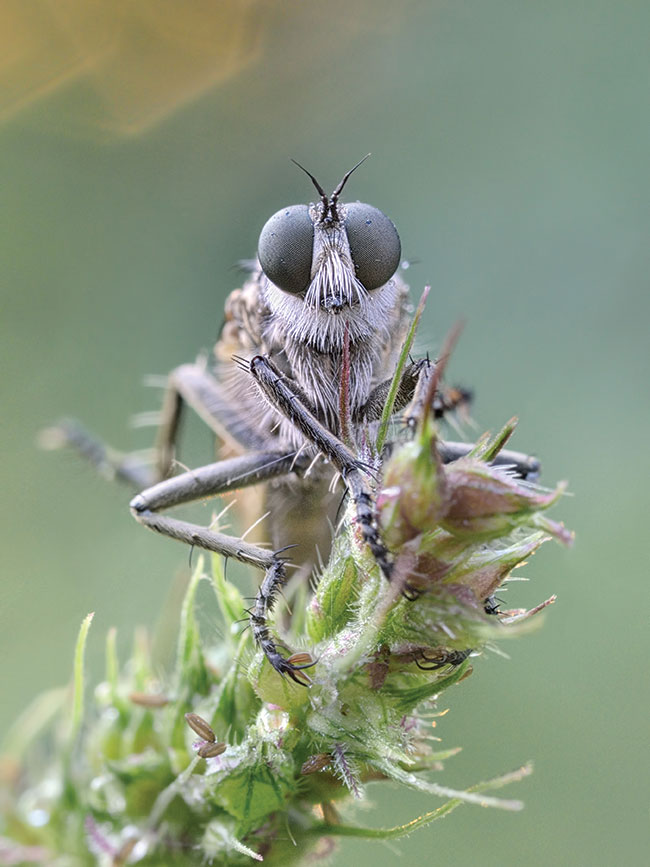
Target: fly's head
329 265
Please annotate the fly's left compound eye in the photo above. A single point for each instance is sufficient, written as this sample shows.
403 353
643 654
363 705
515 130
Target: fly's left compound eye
374 244
285 248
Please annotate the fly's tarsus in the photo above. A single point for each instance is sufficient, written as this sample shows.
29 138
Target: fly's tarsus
274 579
439 658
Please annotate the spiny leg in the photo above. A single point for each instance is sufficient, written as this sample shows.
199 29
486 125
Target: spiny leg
279 392
447 399
189 384
218 478
523 466
194 386
110 464
373 408
439 658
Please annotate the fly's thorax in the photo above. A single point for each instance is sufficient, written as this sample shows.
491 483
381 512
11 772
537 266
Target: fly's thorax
306 343
241 329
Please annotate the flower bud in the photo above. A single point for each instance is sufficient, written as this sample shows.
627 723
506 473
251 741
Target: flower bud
414 489
486 568
483 501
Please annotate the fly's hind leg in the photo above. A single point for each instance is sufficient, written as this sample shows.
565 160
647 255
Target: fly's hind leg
109 463
194 386
521 465
189 384
219 478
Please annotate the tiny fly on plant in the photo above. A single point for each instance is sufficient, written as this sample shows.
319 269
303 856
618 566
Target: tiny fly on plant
300 376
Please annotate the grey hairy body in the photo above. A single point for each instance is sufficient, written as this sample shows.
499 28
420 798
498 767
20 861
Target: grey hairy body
306 344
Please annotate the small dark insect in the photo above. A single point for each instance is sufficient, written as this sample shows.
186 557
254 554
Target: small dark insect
315 332
492 605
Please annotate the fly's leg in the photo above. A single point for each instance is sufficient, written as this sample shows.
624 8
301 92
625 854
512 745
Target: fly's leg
110 464
434 661
219 478
278 390
446 399
194 386
523 466
373 408
189 384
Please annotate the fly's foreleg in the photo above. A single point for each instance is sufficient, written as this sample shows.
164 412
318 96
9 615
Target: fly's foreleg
279 392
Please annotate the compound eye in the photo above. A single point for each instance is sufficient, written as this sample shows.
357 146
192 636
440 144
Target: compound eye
285 248
374 244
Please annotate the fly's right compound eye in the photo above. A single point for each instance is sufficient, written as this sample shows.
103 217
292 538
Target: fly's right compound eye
285 248
374 244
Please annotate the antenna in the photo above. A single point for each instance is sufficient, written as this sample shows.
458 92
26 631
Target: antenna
329 203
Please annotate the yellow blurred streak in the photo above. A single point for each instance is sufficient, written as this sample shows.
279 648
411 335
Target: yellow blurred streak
141 60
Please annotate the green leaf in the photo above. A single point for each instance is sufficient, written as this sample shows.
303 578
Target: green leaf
489 449
191 671
235 703
78 676
230 601
258 786
408 699
332 606
275 689
397 377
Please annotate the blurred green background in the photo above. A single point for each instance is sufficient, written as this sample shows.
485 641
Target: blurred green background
144 145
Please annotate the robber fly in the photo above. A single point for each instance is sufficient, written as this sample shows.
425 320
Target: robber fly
300 376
